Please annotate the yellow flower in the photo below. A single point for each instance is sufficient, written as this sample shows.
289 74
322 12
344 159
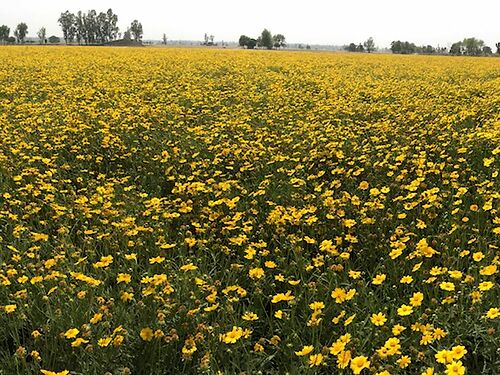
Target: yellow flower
250 316
379 279
378 319
404 361
493 313
315 360
343 359
455 368
71 333
359 363
458 351
188 267
447 286
104 342
10 308
146 334
305 350
123 278
405 310
79 341
397 329
256 273
283 297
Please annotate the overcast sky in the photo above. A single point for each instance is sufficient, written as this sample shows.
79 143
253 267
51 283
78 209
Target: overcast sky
309 21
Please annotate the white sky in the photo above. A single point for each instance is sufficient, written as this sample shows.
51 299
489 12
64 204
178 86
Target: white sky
310 21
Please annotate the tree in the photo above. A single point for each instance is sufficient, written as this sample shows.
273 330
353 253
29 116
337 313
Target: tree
127 35
456 49
111 25
67 22
136 30
165 39
351 47
279 41
42 33
4 33
369 45
360 48
246 41
21 31
266 39
473 46
498 48
487 50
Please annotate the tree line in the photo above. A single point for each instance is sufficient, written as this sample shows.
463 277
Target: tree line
467 47
93 28
265 40
367 46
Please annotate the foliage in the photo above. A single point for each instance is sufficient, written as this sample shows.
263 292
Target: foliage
42 34
369 45
136 30
20 32
4 33
266 39
196 211
89 28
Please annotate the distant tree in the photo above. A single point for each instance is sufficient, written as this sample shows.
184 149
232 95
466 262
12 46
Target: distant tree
252 43
360 48
54 39
487 50
111 25
11 40
429 50
279 41
396 46
42 33
473 46
4 33
127 35
243 41
164 39
136 30
247 42
20 32
266 39
498 48
369 45
350 48
308 46
456 49
67 22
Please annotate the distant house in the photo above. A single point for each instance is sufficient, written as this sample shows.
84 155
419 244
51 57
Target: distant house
124 43
54 40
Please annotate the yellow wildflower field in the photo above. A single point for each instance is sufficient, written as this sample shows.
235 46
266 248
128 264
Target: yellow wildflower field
168 211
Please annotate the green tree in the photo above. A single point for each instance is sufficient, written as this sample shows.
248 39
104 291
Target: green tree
243 41
42 33
136 30
20 32
266 39
164 39
369 45
279 41
4 33
67 22
473 46
351 47
456 49
498 48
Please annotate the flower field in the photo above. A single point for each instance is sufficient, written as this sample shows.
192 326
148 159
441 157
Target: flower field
197 211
